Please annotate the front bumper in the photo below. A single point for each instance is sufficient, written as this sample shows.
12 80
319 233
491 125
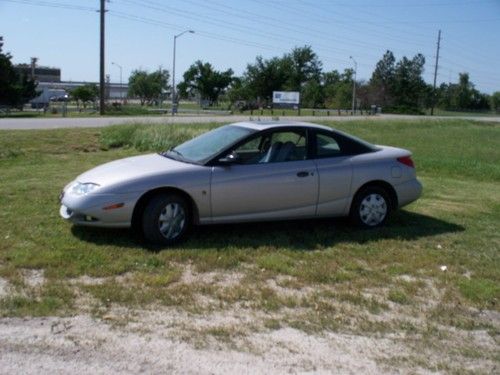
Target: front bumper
89 209
79 218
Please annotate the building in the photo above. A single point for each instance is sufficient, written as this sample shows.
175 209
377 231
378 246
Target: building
114 91
40 73
49 81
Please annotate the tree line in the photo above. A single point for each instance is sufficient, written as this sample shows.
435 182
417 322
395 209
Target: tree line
395 85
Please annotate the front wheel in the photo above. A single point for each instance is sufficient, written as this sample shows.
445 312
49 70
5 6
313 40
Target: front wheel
166 219
370 207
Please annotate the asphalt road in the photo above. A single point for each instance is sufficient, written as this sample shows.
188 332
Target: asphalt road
97 122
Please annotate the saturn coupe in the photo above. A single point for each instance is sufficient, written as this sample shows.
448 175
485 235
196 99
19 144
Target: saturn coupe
243 172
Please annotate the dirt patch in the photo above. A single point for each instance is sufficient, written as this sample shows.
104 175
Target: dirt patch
4 285
323 331
33 278
69 345
225 280
87 280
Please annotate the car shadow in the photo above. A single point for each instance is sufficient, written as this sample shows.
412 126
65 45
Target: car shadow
301 235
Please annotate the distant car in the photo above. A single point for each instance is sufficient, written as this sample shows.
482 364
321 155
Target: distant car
242 172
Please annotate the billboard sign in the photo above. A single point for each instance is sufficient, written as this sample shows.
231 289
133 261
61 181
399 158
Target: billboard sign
286 97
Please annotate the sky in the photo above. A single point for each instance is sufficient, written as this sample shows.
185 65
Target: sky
232 33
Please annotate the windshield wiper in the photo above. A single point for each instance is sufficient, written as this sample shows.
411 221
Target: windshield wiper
175 151
168 154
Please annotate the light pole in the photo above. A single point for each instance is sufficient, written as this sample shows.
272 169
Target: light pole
354 86
174 105
121 86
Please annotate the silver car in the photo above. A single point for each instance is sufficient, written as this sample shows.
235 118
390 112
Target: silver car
247 171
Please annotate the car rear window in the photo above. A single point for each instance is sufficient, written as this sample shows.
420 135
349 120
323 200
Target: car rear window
331 144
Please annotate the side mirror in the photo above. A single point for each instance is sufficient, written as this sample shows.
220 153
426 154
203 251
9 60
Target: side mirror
229 159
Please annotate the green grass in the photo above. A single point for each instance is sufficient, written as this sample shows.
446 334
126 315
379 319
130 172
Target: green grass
455 224
443 112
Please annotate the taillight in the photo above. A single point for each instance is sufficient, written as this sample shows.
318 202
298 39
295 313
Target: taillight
406 160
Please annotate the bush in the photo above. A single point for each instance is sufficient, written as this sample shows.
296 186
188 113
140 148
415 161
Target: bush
404 110
150 137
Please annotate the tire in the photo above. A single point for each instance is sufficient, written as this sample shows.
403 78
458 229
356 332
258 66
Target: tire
166 219
371 207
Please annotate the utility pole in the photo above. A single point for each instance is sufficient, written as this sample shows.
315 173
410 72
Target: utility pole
174 101
174 104
354 86
102 88
435 73
33 67
121 85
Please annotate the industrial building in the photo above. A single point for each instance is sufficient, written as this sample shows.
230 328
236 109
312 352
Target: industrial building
49 78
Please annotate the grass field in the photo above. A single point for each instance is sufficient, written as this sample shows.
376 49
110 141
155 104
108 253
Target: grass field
315 276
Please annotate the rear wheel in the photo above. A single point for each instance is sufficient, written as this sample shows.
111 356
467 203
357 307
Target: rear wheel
166 219
370 207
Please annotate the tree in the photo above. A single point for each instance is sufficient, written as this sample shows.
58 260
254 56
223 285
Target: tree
306 67
86 93
462 95
291 72
495 101
338 88
15 91
239 91
399 87
464 92
202 79
313 95
265 76
148 87
382 80
409 88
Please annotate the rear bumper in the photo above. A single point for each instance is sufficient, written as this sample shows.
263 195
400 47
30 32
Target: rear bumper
408 192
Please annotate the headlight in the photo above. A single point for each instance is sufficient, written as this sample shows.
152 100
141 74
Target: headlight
83 189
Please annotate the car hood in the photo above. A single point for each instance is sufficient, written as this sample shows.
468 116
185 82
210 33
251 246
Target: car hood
131 169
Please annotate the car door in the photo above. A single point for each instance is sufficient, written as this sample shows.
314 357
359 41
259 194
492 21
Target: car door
335 174
273 180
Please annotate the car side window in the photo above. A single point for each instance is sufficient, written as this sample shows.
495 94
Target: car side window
326 146
275 147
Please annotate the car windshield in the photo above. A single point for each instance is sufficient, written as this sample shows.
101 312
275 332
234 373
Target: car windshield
206 146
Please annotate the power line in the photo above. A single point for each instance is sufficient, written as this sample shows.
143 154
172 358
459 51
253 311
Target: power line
239 28
278 24
462 66
345 20
252 31
218 22
51 4
153 22
409 5
289 29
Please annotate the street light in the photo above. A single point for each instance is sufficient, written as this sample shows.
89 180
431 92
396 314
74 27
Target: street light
174 106
121 86
354 85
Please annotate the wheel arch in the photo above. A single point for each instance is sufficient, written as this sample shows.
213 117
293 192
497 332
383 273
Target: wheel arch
144 199
393 196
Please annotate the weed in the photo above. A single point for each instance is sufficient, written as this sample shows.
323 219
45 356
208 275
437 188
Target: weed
398 296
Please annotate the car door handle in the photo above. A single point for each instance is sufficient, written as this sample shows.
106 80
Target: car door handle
302 174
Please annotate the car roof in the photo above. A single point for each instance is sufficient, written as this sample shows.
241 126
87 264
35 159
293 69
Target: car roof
264 125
